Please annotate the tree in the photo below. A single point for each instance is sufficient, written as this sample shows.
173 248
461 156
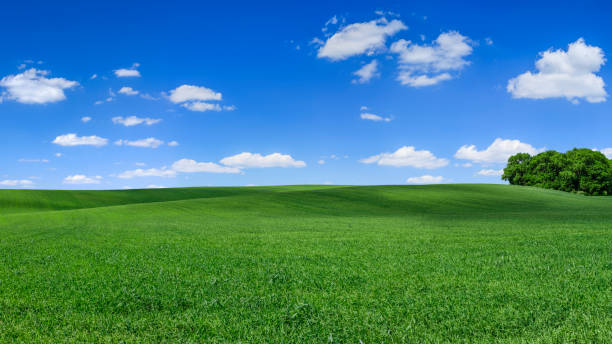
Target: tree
579 170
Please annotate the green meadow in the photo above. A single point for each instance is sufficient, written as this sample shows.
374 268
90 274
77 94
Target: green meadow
306 264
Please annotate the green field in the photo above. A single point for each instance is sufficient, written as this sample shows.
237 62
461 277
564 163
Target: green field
306 264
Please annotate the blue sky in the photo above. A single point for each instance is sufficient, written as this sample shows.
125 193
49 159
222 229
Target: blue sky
244 93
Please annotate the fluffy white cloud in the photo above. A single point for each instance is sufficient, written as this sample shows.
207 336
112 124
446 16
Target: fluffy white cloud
360 38
426 179
409 79
407 156
375 118
152 172
33 87
192 166
80 179
173 143
367 72
426 65
133 120
128 91
187 93
150 142
74 140
201 106
16 182
564 74
128 72
490 173
607 152
498 152
256 160
85 119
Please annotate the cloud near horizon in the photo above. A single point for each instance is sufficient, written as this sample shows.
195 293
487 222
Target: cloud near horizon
407 156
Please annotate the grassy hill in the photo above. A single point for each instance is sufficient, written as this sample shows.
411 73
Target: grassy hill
306 264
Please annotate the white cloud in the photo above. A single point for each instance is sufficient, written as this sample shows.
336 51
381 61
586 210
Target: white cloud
256 160
201 106
150 142
192 166
426 179
321 162
33 87
128 72
14 182
407 156
186 93
59 155
421 80
173 143
375 118
490 173
426 65
128 91
498 152
74 140
93 76
80 179
363 108
133 120
607 152
564 74
85 119
229 107
152 172
367 72
360 38
153 186
488 41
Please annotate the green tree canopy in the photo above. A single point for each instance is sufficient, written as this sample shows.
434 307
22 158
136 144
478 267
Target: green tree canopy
579 170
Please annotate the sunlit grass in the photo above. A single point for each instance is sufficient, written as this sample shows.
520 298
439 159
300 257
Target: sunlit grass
306 264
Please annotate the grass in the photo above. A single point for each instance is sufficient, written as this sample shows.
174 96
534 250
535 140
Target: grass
306 264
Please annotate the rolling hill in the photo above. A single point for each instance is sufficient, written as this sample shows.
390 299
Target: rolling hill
295 264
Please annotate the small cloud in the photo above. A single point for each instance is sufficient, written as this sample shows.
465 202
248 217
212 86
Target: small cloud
69 140
150 142
133 120
16 182
93 77
173 143
33 87
426 179
488 41
85 119
80 179
256 160
490 173
128 91
407 156
367 73
321 162
128 72
375 118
